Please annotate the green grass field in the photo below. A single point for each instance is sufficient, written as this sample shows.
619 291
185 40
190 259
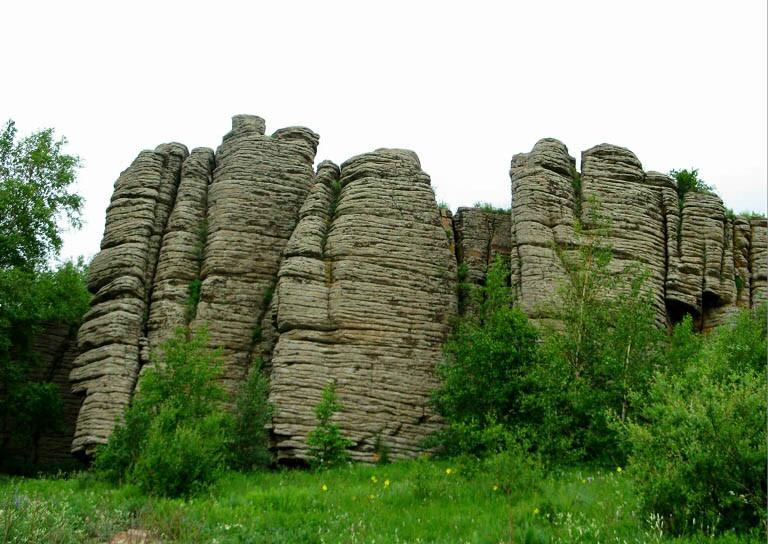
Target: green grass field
417 501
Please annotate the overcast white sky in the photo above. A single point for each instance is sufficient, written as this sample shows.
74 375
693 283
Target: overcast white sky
466 85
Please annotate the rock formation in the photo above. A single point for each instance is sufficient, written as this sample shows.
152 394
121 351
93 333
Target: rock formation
343 275
121 278
698 261
349 274
545 207
55 346
364 298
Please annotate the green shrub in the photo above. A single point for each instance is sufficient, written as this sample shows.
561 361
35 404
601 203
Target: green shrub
252 414
603 350
175 432
515 471
30 300
327 446
485 371
688 181
181 456
699 442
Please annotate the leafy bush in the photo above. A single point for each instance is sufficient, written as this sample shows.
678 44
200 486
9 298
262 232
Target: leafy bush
699 443
688 181
181 456
30 300
605 347
327 446
176 436
485 372
252 414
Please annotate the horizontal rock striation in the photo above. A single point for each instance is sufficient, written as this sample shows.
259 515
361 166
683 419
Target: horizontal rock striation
545 208
121 278
176 286
364 298
697 260
616 196
259 185
481 235
349 274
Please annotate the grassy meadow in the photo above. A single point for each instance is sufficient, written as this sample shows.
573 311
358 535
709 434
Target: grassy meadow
416 501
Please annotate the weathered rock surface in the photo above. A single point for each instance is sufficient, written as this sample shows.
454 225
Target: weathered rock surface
364 298
758 259
544 211
698 261
614 188
481 235
181 254
348 274
259 185
121 277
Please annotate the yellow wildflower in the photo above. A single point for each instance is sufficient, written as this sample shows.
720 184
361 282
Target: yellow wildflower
325 487
449 471
535 511
374 479
495 488
618 469
386 483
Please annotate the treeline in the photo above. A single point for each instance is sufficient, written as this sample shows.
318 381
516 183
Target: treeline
36 176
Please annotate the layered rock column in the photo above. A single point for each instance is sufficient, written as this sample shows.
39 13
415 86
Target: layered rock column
121 278
698 261
181 254
616 196
226 229
259 185
545 206
364 299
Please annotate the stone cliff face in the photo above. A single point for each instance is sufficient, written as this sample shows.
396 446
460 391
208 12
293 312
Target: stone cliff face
349 274
699 261
344 274
364 298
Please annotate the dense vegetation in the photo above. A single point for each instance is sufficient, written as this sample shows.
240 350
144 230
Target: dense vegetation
35 182
606 386
177 437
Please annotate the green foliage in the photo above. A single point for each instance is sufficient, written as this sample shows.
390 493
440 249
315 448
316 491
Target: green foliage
699 441
176 437
485 371
577 192
180 456
381 450
35 181
688 182
327 446
192 300
38 409
746 215
30 300
492 500
749 215
443 205
488 207
605 348
269 292
252 414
